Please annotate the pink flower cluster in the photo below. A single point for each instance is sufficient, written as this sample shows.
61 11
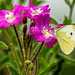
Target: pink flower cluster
42 31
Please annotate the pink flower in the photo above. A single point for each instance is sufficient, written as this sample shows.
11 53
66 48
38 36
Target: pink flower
43 32
32 11
8 18
60 25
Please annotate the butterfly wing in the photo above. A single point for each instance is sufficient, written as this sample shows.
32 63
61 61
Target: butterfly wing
66 38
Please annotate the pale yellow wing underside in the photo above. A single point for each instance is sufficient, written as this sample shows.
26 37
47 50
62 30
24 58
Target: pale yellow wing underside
73 27
66 44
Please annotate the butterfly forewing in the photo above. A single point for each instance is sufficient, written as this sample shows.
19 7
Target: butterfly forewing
66 38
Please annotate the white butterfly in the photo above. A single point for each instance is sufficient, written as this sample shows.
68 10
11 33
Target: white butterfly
66 38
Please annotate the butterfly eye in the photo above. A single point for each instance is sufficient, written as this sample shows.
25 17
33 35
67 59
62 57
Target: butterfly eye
71 33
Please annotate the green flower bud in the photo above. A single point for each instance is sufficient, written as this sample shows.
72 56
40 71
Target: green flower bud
31 66
27 62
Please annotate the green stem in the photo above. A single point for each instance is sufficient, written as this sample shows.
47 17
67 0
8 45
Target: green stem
12 48
71 9
70 14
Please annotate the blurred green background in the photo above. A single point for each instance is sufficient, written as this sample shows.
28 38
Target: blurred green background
50 61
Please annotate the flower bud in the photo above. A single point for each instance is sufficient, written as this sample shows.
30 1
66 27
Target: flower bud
24 28
32 23
24 19
27 62
31 66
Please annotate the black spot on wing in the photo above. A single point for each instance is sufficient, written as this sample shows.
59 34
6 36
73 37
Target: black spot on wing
71 33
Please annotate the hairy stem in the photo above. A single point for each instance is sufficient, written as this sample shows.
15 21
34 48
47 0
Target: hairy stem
36 66
26 69
11 47
19 42
20 48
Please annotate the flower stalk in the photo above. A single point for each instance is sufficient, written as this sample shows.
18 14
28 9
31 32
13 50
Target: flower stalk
37 52
20 47
36 66
31 39
19 41
24 39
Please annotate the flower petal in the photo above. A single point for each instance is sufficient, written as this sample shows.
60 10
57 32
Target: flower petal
50 42
38 35
21 16
4 24
17 10
46 21
39 38
39 21
2 17
42 20
28 12
31 5
16 21
35 31
45 9
54 41
4 12
60 25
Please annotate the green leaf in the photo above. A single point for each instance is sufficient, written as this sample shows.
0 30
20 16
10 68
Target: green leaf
19 56
36 2
4 61
3 45
35 49
73 23
47 69
21 1
65 57
12 70
68 2
23 72
56 48
1 55
53 21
